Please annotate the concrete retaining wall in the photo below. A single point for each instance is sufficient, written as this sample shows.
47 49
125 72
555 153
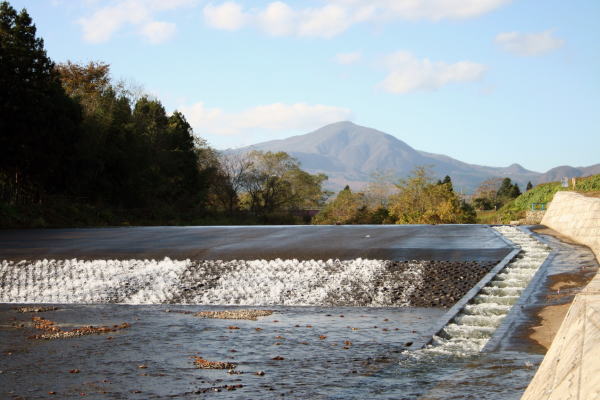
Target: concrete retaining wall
571 368
576 216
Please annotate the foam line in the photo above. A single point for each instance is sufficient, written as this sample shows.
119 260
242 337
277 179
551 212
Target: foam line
358 282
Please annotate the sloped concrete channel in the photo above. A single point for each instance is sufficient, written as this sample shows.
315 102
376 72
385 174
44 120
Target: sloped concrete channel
482 317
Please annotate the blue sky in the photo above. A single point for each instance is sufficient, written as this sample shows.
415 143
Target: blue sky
489 82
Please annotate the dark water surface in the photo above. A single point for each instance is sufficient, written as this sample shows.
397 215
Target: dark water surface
389 242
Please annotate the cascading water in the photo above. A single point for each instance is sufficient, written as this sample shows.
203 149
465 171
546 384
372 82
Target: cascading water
358 282
472 328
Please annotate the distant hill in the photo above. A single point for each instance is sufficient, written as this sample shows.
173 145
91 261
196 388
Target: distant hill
349 154
558 173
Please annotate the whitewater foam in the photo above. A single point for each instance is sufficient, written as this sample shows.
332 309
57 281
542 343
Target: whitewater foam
359 282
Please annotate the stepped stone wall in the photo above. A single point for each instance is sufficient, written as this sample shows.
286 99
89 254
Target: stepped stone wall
534 217
571 368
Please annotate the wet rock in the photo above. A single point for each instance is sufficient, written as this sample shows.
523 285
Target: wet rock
35 309
252 315
234 372
205 364
51 331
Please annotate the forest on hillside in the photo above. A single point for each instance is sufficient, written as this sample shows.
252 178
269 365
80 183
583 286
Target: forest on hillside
78 148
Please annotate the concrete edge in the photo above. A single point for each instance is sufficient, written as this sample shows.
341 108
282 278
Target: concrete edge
512 316
501 236
449 316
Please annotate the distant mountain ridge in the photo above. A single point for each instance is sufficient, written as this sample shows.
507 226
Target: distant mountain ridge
349 154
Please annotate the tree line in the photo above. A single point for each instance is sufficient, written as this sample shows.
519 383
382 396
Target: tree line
417 199
79 148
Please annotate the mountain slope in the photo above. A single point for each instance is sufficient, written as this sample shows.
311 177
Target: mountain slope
350 154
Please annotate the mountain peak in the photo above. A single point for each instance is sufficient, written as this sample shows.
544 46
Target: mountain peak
515 169
340 124
349 154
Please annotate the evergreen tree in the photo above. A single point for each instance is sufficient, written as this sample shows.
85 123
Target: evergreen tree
448 181
515 191
506 189
529 186
39 124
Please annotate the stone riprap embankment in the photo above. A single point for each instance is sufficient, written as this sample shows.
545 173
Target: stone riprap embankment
358 282
571 368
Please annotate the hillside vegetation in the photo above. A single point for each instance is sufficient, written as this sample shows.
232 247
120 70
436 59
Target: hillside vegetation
544 193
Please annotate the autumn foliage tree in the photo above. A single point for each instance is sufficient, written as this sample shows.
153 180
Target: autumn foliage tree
420 200
347 208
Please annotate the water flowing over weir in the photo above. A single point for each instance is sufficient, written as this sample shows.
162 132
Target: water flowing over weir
259 282
359 282
471 329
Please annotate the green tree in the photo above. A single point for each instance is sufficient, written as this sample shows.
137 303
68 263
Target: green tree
448 181
515 191
274 182
529 186
507 191
39 124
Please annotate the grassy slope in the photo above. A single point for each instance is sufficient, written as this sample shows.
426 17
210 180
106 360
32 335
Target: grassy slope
543 193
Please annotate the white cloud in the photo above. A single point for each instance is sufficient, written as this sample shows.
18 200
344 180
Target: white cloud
348 58
228 16
271 117
409 74
433 10
334 17
158 32
102 24
277 19
529 44
327 21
